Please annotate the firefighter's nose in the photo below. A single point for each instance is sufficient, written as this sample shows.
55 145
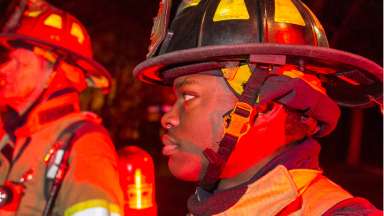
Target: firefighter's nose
170 119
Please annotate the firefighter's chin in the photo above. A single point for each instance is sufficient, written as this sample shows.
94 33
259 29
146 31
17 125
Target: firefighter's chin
185 166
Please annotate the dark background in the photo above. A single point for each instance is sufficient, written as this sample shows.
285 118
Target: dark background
120 30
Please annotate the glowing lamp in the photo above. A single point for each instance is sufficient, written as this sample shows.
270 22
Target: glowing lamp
138 181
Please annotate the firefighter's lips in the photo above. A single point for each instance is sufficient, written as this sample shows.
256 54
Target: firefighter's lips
170 146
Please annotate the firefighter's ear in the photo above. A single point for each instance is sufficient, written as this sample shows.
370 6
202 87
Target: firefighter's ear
312 125
74 75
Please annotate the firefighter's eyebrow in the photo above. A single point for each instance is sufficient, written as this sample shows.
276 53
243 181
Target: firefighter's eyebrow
184 82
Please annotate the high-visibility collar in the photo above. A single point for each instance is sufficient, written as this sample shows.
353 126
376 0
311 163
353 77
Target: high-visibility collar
289 192
48 112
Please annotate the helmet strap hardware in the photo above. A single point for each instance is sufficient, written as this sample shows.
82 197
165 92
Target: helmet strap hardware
239 120
239 124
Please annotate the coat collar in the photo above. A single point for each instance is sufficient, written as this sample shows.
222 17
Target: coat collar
48 112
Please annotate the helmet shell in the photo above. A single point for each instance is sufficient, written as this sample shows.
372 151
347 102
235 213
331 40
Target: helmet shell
43 25
275 32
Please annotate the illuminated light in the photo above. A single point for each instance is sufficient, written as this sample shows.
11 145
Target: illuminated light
137 179
286 12
77 32
138 186
231 10
54 20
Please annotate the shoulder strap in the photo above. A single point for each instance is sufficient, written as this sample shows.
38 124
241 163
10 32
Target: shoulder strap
58 162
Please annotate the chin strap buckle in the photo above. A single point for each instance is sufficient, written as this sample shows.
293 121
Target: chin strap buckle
237 123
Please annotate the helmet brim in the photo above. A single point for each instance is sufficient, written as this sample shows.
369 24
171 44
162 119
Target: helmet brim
327 62
91 68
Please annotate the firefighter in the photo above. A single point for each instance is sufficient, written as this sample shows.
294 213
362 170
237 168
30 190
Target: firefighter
55 159
255 85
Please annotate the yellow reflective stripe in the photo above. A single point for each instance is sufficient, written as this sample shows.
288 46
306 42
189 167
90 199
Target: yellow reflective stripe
95 205
231 10
77 32
54 20
286 12
237 77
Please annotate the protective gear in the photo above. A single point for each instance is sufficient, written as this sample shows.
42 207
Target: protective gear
295 191
85 191
290 184
296 94
265 32
59 33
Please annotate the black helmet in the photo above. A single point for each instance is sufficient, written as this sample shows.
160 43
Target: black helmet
210 34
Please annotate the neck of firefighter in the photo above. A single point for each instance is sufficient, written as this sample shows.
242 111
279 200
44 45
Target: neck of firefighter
243 177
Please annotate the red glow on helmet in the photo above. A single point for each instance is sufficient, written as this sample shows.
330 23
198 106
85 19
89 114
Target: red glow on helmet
54 26
287 34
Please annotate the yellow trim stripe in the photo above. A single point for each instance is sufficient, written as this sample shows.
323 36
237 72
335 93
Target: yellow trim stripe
95 205
231 10
286 12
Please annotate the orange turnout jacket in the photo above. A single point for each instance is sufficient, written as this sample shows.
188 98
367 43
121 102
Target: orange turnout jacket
91 185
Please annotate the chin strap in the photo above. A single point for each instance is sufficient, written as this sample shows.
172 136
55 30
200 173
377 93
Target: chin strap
236 124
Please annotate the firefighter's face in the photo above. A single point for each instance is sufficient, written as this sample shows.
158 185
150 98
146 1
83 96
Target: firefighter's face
195 123
22 73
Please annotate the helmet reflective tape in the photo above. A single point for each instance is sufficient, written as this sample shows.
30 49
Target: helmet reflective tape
286 12
54 20
93 207
231 10
77 32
